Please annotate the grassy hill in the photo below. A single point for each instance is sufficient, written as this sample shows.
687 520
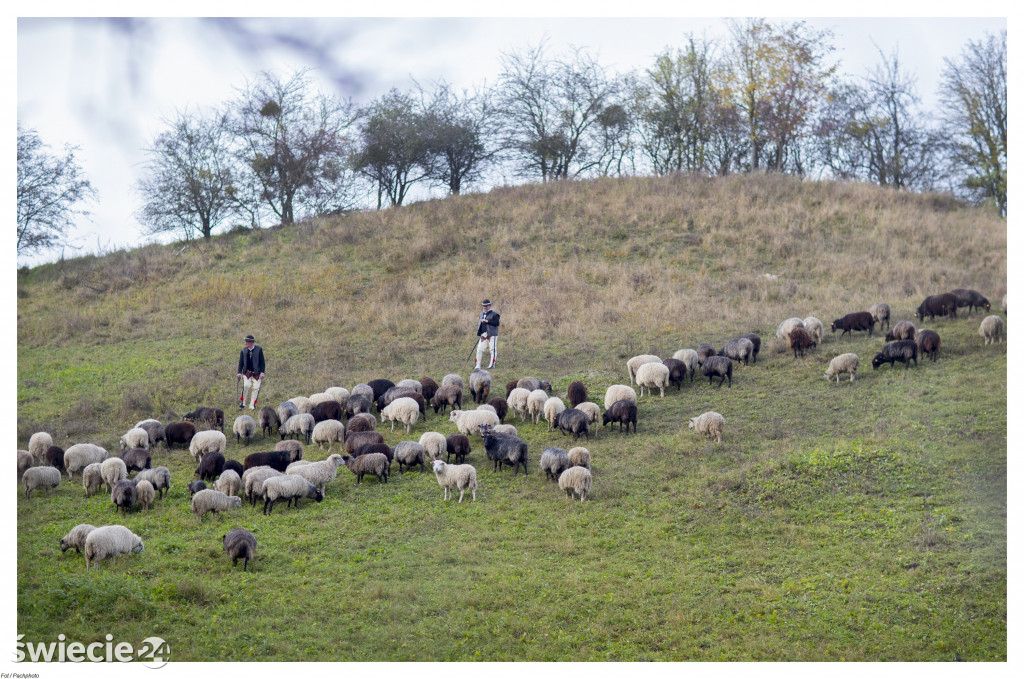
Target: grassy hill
859 521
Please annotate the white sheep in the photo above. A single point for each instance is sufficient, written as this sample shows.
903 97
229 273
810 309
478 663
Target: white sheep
991 329
329 432
618 392
592 410
815 328
208 441
652 375
404 410
80 456
318 473
76 537
208 500
303 403
92 478
786 327
468 421
843 363
505 429
454 477
552 406
145 493
339 394
291 488
298 425
320 397
535 404
113 470
228 482
107 542
38 444
253 480
244 428
487 407
137 437
44 478
709 423
517 401
690 358
579 457
633 364
434 443
575 481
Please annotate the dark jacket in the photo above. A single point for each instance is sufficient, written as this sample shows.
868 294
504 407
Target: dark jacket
489 322
252 360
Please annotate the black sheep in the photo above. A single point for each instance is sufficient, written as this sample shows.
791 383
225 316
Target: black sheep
928 342
799 340
137 459
276 459
717 366
937 305
500 406
353 441
676 372
180 432
327 410
123 495
210 466
903 351
575 422
504 449
577 393
155 430
972 299
212 416
510 386
429 388
623 412
240 544
55 457
858 320
458 445
195 486
379 387
368 448
235 466
756 340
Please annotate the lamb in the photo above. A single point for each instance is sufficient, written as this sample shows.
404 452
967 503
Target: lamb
858 320
904 351
717 366
124 495
361 422
209 500
244 428
676 372
145 493
991 329
24 461
755 339
92 478
298 425
500 406
447 395
156 431
577 393
36 478
453 379
374 463
209 441
816 329
404 410
277 459
480 385
739 349
159 477
303 404
786 327
458 445
843 363
972 299
179 432
409 453
928 342
289 487
623 412
358 403
434 443
38 444
579 457
710 424
633 364
518 400
936 305
137 459
592 410
360 438
429 388
554 461
575 422
327 410
210 467
240 544
552 407
467 421
880 312
452 477
650 375
503 449
294 448
194 487
107 542
113 470
136 437
319 473
76 537
253 480
339 394
575 481
689 357
799 340
285 410
55 457
80 456
902 330
535 404
329 432
228 483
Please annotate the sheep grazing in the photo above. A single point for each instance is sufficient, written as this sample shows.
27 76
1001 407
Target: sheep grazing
294 448
92 478
705 351
504 449
815 328
900 331
304 404
289 487
229 482
360 438
155 430
717 366
244 428
408 454
107 542
575 481
208 500
428 388
40 478
447 395
786 327
458 445
500 406
623 412
676 372
552 407
509 386
577 393
277 459
137 459
24 461
179 432
739 349
532 383
434 443
903 351
651 375
113 470
358 403
480 385
145 493
321 397
379 386
928 342
755 339
38 444
137 437
991 329
535 404
505 429
159 477
55 457
213 417
80 456
361 422
339 394
858 320
124 495
468 421
374 463
453 379
298 425
843 363
880 312
329 432
972 299
689 357
327 410
209 441
404 410
579 457
75 539
452 477
318 473
393 394
592 410
415 385
936 305
633 364
240 544
285 410
799 340
575 422
518 402
194 487
210 467
553 461
253 480
710 424
362 389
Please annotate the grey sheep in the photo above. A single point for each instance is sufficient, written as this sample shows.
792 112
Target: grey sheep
285 410
904 351
240 544
156 430
740 349
717 366
194 487
901 331
76 537
107 542
268 420
480 385
291 488
137 459
532 384
880 312
409 453
504 449
575 481
358 403
991 329
453 378
208 500
160 477
124 495
447 395
244 428
554 461
298 425
253 480
294 448
374 463
574 421
44 478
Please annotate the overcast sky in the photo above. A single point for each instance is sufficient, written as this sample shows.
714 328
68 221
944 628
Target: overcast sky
105 86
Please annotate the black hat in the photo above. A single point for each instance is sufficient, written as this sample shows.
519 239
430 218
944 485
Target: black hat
250 338
486 302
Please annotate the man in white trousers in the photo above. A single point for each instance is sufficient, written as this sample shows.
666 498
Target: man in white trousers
251 367
487 331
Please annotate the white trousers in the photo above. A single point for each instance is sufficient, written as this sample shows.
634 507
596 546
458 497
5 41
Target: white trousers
253 385
491 344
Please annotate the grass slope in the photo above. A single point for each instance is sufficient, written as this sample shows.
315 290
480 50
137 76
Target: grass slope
859 521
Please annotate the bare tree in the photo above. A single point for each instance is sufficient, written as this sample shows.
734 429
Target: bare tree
50 188
457 128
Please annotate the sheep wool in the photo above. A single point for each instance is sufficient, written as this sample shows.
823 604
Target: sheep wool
244 427
843 363
434 443
618 392
40 478
710 424
209 441
592 410
786 327
815 328
228 482
409 453
75 539
209 500
290 488
452 477
160 477
304 405
402 409
107 542
253 480
339 394
991 329
554 461
298 425
371 463
689 357
517 401
650 375
575 481
24 461
38 444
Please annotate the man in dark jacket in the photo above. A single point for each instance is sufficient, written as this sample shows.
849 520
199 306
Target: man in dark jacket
251 367
487 331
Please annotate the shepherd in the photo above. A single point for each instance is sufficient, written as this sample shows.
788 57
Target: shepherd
251 367
487 331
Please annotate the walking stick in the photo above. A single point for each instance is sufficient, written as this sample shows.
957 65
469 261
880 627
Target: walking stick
238 382
473 348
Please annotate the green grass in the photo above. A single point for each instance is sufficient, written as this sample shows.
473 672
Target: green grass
859 521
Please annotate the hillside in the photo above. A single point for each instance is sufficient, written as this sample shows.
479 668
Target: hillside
861 521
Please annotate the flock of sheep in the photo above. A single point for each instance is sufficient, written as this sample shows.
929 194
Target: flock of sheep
338 416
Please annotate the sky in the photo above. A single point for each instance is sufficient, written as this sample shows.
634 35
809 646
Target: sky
107 86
